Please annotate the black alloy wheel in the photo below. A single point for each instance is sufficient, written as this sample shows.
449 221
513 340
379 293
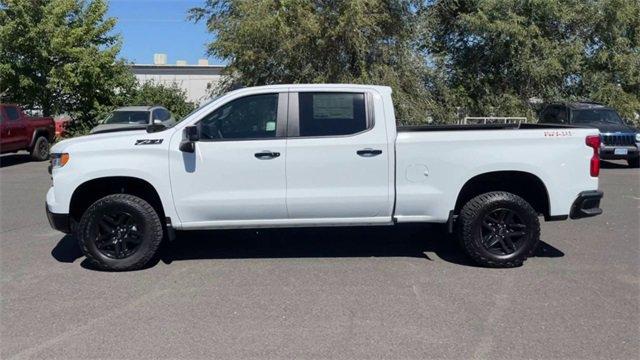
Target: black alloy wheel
118 234
503 232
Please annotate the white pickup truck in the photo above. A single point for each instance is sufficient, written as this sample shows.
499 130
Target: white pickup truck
319 155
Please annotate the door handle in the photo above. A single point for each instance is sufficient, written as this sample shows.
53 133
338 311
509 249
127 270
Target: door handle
369 152
266 155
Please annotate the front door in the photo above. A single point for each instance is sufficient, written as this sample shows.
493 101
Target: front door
237 172
338 160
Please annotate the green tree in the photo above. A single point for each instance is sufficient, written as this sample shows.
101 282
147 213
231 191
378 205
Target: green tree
321 41
170 96
61 56
492 56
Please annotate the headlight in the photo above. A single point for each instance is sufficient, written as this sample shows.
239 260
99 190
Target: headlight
59 160
637 137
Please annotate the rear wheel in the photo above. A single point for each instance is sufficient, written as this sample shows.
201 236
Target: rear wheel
499 229
40 150
634 162
120 232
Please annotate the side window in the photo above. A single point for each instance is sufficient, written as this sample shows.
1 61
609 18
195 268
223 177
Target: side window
12 113
161 114
251 117
327 114
555 114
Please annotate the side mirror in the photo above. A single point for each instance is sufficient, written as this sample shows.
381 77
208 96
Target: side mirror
155 127
157 121
191 135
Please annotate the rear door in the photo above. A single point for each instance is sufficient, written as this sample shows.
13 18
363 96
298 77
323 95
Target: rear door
337 159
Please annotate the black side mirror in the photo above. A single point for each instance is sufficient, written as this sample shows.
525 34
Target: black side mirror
191 135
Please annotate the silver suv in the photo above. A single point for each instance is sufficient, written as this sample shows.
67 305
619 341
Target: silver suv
135 117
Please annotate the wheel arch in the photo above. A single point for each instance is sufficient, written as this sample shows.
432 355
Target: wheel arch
38 132
91 190
524 184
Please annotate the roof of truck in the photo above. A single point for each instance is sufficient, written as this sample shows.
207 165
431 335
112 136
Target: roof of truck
582 105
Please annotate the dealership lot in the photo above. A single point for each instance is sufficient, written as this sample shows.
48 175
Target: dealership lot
321 293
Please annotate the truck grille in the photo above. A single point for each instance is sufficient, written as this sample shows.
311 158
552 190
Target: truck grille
618 139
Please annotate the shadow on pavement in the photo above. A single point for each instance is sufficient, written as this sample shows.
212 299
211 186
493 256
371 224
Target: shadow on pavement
14 159
400 241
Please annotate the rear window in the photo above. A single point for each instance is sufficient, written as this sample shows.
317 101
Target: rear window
330 114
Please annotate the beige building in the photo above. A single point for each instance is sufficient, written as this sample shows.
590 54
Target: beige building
197 80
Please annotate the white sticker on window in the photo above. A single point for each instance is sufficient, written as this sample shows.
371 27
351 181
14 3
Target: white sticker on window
332 106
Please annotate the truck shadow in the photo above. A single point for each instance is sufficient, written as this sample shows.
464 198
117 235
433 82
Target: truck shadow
416 241
14 159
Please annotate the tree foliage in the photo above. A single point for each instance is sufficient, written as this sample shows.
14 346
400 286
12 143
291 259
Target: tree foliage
60 56
170 96
493 56
321 41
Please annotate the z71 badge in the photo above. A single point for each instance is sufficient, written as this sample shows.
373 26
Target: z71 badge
149 142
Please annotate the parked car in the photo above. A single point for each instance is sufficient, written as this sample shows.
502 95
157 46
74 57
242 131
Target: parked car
22 132
135 117
319 155
62 124
619 140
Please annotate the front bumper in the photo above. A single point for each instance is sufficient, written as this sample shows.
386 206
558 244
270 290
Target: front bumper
607 152
59 222
587 204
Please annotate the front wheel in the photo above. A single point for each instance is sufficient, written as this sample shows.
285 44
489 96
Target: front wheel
634 162
499 229
120 232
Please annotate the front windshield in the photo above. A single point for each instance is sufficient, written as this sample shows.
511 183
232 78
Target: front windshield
128 117
596 116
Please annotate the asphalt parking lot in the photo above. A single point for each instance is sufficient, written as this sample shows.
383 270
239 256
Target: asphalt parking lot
321 293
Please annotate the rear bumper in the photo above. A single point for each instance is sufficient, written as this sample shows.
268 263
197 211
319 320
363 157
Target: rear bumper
607 152
587 204
59 222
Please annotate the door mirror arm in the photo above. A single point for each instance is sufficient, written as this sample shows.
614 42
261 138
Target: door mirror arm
191 136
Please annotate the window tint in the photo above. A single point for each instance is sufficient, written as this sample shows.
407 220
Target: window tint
12 113
326 114
596 116
251 117
161 114
128 117
555 114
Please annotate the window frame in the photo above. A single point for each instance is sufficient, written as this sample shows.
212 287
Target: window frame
293 123
281 118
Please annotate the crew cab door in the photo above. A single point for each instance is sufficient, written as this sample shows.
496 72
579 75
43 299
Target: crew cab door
338 159
237 172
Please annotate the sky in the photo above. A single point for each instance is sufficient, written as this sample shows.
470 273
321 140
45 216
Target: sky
160 26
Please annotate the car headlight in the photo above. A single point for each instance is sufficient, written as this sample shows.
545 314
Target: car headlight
59 160
637 137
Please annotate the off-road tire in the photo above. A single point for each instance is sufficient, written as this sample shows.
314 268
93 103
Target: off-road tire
40 150
634 162
472 215
152 233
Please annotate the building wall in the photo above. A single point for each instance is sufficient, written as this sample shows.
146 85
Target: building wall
196 80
